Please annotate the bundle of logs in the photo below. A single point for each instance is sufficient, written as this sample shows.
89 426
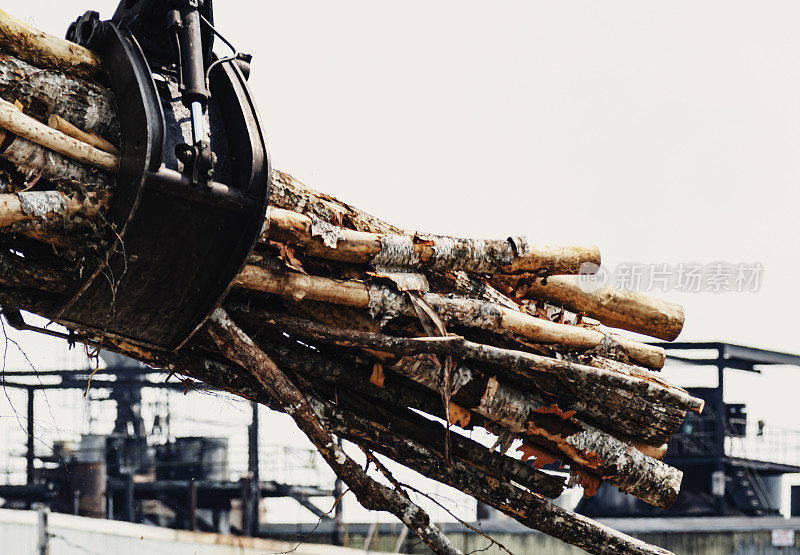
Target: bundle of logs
394 340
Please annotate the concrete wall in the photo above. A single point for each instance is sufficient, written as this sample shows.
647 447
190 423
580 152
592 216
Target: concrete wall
683 536
20 533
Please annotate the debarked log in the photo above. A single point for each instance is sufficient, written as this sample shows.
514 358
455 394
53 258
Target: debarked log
627 310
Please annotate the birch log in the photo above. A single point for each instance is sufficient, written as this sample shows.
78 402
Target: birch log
44 92
34 162
422 251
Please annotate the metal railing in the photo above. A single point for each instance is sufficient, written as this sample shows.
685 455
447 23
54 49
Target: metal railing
769 443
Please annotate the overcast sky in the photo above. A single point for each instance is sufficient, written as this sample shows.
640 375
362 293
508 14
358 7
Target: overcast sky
664 132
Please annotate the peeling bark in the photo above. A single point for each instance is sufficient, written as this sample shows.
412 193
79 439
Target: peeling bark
44 92
420 251
372 495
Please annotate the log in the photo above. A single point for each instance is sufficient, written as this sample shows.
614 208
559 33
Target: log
395 397
569 439
421 251
627 310
48 206
512 408
57 122
43 92
44 50
469 312
35 161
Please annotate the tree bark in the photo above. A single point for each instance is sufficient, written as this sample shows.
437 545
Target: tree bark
35 161
644 411
43 92
529 509
48 206
424 252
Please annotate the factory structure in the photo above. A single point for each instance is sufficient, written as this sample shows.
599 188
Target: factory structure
139 472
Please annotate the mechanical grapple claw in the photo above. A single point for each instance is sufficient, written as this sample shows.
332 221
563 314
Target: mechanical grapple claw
191 193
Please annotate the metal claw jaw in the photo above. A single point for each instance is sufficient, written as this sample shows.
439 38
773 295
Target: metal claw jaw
188 204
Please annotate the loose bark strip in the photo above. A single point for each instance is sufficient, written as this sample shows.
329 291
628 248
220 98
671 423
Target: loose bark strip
239 347
44 50
59 123
627 310
323 240
573 441
25 126
468 312
43 92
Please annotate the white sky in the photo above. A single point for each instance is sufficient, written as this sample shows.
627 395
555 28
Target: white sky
664 132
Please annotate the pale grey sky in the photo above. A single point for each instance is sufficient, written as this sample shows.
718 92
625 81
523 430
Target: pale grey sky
664 132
